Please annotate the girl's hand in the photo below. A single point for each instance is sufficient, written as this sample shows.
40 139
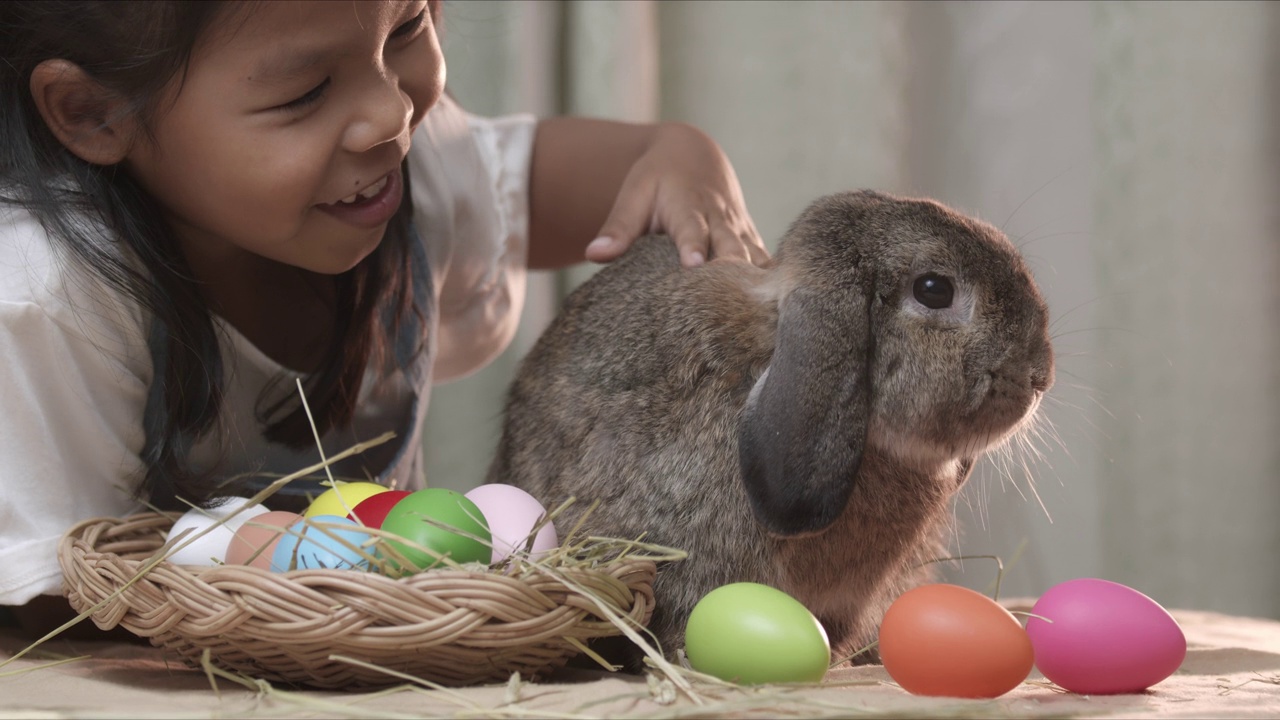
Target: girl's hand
684 186
615 181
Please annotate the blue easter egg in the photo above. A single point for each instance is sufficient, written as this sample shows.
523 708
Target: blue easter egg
308 547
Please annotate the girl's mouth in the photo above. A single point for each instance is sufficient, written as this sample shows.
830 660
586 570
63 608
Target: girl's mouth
366 193
372 206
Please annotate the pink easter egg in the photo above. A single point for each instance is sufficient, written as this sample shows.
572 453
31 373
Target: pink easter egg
512 514
1103 638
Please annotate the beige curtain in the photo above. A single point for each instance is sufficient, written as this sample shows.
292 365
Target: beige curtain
1131 149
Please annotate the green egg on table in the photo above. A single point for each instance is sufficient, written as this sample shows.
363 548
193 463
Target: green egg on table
753 634
442 521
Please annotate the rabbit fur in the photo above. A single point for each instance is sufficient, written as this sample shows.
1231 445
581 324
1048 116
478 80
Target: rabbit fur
802 425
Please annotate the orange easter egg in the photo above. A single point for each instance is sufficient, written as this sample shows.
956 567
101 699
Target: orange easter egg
255 540
952 641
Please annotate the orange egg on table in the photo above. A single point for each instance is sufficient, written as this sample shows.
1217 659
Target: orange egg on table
259 535
951 641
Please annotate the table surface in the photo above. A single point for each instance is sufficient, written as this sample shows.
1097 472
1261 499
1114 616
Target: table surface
1232 669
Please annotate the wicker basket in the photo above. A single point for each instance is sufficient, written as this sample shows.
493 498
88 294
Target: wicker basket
453 627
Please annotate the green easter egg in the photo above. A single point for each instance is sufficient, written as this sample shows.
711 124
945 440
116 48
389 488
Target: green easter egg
753 634
412 519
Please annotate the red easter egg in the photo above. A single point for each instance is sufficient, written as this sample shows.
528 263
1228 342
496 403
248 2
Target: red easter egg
371 511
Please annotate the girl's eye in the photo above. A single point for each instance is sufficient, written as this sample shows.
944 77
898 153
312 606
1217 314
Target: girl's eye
312 96
411 26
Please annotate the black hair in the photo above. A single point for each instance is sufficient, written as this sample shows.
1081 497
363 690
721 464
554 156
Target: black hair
134 50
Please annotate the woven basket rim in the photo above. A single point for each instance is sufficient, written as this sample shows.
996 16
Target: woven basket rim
456 626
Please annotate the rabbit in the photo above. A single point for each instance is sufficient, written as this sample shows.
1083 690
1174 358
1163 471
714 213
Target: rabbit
803 425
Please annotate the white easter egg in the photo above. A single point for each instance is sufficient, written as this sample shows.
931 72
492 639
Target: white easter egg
211 548
512 514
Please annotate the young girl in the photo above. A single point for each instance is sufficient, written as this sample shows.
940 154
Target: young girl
202 202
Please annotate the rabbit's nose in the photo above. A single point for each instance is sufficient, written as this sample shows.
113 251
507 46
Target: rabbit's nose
1041 380
1042 372
1040 360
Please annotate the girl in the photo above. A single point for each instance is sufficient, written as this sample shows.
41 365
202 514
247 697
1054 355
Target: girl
201 202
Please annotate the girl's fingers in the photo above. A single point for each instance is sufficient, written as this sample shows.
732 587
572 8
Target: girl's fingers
755 246
630 218
728 244
693 237
704 226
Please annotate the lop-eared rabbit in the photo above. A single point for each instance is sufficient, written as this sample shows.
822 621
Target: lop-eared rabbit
804 425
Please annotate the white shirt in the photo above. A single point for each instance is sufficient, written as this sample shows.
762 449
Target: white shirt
77 369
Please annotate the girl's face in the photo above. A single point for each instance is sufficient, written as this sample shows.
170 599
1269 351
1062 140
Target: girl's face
284 113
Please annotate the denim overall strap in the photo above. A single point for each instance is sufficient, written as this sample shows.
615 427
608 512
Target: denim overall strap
413 356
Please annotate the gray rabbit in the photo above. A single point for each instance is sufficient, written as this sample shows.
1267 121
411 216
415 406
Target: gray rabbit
803 425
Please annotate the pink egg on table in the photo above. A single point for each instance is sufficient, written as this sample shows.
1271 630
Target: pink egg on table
255 540
512 513
1104 638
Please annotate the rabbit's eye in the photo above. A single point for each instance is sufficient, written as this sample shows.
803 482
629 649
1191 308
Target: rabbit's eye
934 291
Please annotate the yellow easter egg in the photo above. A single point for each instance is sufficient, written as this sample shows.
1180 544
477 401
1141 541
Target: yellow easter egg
339 500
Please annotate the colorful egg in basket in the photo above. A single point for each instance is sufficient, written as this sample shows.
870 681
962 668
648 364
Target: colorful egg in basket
453 626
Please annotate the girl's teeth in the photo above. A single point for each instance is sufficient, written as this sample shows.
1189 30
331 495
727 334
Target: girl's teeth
366 193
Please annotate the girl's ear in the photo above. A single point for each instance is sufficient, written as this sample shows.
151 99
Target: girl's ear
84 116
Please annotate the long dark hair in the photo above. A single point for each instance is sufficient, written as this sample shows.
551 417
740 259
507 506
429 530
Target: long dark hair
134 50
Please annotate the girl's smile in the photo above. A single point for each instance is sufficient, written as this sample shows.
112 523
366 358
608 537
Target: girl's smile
371 207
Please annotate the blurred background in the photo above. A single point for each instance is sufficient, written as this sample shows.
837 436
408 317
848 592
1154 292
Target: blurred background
1131 149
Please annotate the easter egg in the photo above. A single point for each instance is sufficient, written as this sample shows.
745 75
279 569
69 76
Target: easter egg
441 521
340 499
1101 638
255 540
308 546
752 634
211 548
512 514
371 511
948 640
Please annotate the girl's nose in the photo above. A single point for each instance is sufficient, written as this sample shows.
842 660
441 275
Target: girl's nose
385 115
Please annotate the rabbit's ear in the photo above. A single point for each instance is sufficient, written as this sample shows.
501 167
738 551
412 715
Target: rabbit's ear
802 432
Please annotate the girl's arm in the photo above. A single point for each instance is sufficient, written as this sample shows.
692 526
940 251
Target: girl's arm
617 181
